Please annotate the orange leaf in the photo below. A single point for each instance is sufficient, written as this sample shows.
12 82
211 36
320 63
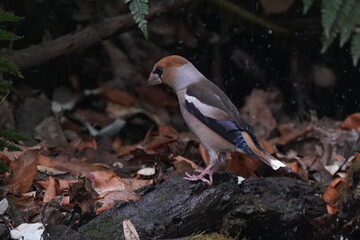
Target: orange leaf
50 190
23 172
331 194
119 97
204 154
294 134
107 199
242 164
351 122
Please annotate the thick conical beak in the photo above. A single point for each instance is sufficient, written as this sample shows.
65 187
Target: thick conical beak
154 79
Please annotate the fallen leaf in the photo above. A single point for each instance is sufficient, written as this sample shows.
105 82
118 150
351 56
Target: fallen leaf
204 154
23 171
88 143
104 181
331 195
51 191
351 122
187 161
108 199
292 135
119 97
130 232
242 164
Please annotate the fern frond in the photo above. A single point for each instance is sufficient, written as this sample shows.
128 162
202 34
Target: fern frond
11 147
9 17
3 167
4 89
330 11
327 41
307 4
355 48
346 22
10 67
9 36
139 8
13 136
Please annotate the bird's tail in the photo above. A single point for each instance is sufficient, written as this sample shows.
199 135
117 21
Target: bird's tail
251 147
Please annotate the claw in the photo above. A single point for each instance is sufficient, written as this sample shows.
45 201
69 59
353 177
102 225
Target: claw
201 176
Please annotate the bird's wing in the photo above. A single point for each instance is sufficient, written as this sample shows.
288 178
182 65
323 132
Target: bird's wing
213 108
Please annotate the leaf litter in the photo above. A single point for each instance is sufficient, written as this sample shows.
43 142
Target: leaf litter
92 173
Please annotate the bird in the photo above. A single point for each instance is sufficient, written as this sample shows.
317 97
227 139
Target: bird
209 114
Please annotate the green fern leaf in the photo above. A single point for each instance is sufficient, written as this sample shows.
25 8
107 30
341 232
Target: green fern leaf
9 17
329 13
3 167
346 22
355 48
13 136
9 36
4 89
327 41
11 147
10 67
307 4
140 8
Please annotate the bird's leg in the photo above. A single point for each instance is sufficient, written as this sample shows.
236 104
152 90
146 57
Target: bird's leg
208 171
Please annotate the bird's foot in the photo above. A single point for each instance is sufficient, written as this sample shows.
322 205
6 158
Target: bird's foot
201 176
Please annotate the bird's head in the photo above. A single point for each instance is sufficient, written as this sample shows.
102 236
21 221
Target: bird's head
174 71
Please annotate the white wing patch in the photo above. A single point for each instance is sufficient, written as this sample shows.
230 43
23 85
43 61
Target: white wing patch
206 110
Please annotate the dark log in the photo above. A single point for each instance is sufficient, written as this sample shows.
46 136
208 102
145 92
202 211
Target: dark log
38 54
266 208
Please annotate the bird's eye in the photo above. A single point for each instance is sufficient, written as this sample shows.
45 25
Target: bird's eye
158 71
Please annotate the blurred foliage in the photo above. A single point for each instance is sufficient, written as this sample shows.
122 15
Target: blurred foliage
8 68
139 8
340 18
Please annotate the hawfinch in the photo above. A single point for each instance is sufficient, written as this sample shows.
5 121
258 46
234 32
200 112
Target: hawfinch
209 114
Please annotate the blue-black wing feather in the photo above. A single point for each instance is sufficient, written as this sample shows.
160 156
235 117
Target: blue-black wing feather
225 128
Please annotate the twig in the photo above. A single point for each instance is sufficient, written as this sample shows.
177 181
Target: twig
38 54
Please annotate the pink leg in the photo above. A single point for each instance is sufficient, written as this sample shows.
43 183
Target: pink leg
201 176
214 164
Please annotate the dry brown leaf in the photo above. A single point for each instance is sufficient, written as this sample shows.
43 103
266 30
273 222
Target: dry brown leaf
132 184
276 6
73 165
51 192
23 171
93 118
294 166
204 154
119 97
107 199
351 122
167 130
331 195
105 181
21 201
159 142
130 232
242 164
88 143
292 135
187 161
268 147
157 96
257 111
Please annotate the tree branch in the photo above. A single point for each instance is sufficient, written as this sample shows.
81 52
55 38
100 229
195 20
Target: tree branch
38 54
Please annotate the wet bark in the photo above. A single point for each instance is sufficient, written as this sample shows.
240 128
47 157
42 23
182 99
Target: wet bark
263 207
